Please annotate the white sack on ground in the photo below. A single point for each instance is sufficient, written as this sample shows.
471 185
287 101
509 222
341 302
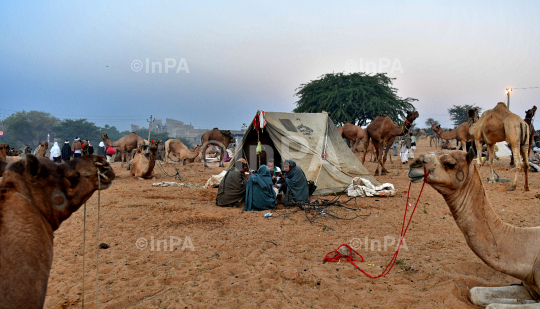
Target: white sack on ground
363 187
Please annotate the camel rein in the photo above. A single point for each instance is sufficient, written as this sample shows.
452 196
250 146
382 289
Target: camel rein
338 255
100 175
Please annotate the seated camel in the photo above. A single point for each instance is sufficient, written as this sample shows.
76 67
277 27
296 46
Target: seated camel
176 148
36 196
503 247
142 167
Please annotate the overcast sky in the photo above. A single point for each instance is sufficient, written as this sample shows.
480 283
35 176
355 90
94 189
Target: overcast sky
227 59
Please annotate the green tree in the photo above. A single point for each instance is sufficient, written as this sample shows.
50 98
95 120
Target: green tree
69 129
431 122
28 128
458 113
355 97
155 136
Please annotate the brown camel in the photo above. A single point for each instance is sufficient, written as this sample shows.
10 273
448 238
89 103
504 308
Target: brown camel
217 137
3 165
503 247
42 149
14 152
141 166
434 139
497 125
125 145
383 132
4 149
460 133
351 132
37 195
175 147
194 151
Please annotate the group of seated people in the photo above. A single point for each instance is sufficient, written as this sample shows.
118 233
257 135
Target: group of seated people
262 190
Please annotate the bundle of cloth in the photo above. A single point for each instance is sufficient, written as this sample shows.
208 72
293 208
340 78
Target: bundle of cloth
363 187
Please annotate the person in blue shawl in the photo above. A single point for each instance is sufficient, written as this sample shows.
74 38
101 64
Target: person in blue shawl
296 183
260 194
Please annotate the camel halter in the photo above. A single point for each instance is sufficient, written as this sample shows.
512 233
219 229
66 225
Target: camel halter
392 262
99 174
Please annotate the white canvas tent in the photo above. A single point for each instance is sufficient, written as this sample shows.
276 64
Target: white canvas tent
503 150
309 139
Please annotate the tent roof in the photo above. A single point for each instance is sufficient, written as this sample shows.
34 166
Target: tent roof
313 142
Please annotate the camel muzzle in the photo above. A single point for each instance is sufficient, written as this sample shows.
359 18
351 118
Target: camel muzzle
417 170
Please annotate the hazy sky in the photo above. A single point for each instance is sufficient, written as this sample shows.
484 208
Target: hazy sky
243 56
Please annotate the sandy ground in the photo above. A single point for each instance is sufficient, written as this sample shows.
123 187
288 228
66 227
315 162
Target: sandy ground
247 260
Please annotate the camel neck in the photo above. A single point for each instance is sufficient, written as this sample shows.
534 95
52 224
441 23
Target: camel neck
492 240
449 134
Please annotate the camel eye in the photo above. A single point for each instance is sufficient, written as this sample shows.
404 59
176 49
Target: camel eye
449 165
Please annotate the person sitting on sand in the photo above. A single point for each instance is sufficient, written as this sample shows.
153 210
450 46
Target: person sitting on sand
296 185
259 192
232 189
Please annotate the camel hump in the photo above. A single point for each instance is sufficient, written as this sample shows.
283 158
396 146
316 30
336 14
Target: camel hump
215 128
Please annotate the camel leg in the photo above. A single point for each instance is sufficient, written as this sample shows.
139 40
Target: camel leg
203 155
383 159
222 157
525 153
502 297
478 154
491 151
518 165
366 146
376 146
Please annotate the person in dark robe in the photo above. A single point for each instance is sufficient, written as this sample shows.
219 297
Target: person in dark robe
232 189
101 149
90 148
66 151
260 194
297 190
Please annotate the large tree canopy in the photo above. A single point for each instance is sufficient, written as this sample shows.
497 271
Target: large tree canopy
355 97
431 122
458 113
69 129
28 128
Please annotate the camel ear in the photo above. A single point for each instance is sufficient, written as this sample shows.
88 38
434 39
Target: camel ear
32 165
73 177
470 155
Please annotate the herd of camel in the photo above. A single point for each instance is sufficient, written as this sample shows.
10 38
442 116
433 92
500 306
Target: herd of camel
37 195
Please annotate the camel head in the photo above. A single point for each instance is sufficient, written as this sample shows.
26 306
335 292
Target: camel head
530 113
42 149
4 149
411 117
106 139
228 134
15 152
437 129
58 190
472 115
154 145
445 173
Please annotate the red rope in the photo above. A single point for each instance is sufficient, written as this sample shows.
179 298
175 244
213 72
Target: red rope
392 262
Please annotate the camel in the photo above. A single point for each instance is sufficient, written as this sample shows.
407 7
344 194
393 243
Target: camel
497 125
351 132
4 149
383 131
194 150
503 247
37 195
175 147
42 149
434 139
421 133
14 152
460 133
142 167
125 145
220 138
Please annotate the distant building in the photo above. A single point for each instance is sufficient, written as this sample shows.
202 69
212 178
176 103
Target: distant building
178 129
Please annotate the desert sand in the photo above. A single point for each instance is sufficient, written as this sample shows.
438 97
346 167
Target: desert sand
247 260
